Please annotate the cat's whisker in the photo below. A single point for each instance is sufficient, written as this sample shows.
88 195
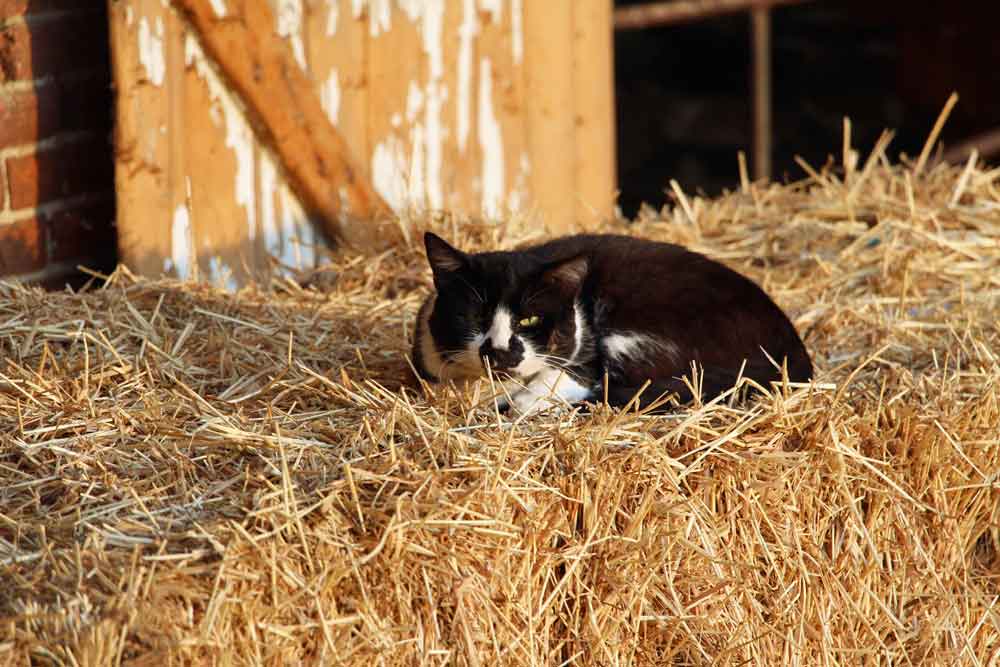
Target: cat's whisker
557 360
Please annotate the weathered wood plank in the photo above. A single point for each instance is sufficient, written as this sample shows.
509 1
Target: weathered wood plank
551 132
287 112
396 97
143 187
336 48
594 111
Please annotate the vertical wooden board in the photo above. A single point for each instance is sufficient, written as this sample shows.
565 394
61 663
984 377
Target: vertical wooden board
551 135
435 43
460 150
594 111
396 98
336 43
217 176
500 119
144 204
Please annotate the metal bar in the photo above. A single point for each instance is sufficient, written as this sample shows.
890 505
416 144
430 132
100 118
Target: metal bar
760 20
684 11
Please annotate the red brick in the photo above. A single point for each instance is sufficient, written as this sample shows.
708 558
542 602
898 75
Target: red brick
22 247
57 173
27 116
86 234
71 44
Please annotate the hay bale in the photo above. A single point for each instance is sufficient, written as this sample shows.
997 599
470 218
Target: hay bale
190 476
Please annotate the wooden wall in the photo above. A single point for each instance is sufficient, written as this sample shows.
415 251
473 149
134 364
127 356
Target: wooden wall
483 107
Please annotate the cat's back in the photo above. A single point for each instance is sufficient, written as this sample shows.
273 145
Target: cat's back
651 283
607 251
616 259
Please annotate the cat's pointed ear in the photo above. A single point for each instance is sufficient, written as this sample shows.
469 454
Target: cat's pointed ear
568 275
443 257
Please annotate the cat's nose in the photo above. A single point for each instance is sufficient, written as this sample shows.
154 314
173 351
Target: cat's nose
503 359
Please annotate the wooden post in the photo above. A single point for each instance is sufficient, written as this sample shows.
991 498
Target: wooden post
594 90
548 59
287 114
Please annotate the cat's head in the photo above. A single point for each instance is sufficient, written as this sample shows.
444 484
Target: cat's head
508 309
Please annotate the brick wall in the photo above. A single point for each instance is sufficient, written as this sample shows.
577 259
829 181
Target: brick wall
56 168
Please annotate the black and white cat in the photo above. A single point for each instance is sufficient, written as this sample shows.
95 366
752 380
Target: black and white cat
557 317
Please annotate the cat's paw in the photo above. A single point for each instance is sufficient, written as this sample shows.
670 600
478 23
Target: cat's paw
526 403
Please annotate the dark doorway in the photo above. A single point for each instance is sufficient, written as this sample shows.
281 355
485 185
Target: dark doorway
684 101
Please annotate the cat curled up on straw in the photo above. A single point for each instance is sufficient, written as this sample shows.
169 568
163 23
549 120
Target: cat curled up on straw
559 317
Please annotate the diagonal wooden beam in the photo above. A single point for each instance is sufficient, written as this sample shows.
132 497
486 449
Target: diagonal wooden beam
286 113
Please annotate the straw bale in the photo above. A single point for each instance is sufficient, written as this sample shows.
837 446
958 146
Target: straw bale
189 476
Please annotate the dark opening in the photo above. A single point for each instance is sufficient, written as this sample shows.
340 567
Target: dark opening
684 100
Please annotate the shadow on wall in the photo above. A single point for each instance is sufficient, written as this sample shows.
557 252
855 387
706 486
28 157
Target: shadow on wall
57 194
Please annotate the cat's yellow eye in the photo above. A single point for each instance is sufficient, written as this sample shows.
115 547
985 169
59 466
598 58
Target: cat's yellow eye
529 322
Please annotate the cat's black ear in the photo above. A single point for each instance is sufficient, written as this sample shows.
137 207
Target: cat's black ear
443 257
568 275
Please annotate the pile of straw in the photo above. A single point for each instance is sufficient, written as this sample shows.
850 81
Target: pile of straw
191 476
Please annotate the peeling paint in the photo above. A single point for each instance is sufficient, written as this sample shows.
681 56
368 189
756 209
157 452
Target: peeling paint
287 233
436 95
517 30
330 96
417 189
219 7
414 102
435 144
268 190
467 32
379 16
389 172
332 17
239 135
151 50
518 196
289 21
181 243
494 7
296 231
491 143
412 8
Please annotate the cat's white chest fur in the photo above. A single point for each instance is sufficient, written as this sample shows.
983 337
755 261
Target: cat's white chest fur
550 387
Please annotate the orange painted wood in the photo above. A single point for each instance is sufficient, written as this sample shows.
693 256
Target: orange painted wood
145 201
594 111
342 55
549 103
288 114
390 121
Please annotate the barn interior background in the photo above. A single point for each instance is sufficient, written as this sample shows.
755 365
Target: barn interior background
122 140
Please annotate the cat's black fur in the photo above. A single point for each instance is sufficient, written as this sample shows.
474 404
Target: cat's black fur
630 308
